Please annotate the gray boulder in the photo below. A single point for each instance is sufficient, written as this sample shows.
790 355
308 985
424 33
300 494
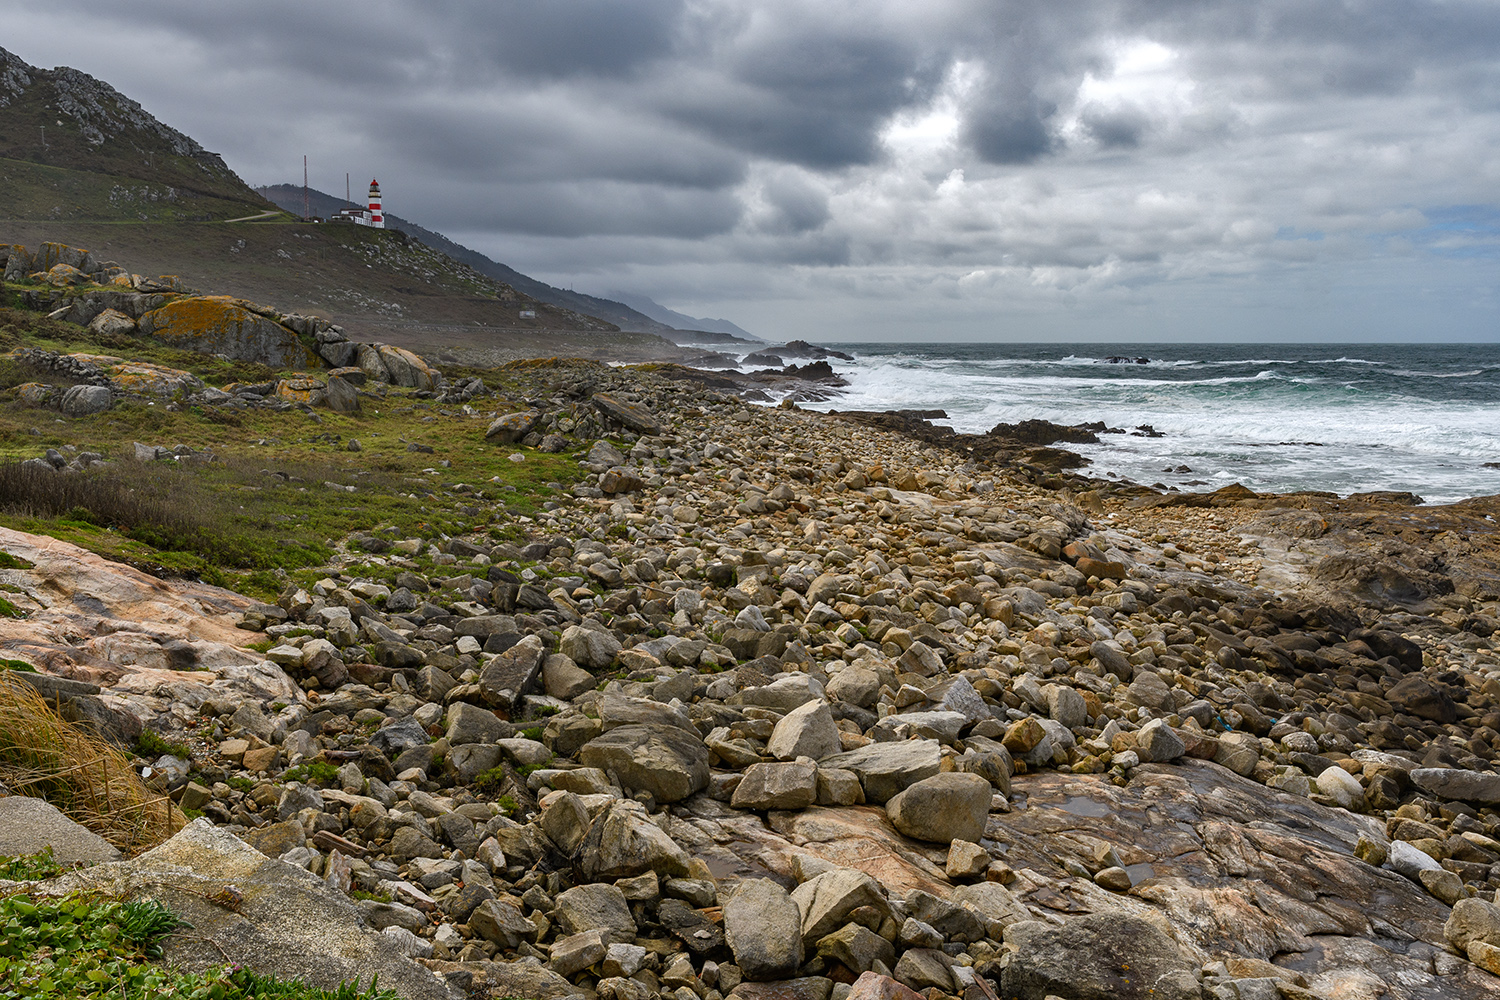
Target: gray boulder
943 808
29 825
764 930
792 785
806 731
82 400
666 761
825 901
885 769
1100 956
513 674
472 724
1458 783
623 842
596 906
589 648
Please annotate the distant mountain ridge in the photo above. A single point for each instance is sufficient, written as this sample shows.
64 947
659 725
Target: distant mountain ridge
681 321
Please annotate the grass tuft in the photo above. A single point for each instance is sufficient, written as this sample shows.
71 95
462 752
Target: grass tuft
90 780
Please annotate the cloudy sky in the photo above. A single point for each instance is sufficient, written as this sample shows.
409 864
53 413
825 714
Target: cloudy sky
868 170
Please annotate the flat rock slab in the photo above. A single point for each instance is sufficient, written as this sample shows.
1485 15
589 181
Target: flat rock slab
632 415
286 922
148 643
1235 868
28 825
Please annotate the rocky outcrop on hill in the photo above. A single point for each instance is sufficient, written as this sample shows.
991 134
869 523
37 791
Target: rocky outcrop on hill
163 311
100 111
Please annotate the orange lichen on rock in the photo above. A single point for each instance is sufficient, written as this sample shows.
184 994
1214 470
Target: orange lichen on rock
218 324
302 390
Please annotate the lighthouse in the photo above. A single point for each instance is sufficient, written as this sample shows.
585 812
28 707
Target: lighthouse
377 220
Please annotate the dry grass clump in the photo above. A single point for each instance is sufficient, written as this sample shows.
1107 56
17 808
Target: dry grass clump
92 782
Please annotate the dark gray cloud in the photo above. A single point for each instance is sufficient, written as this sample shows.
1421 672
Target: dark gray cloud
1000 154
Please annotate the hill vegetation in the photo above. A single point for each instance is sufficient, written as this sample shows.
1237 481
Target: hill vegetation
82 164
74 148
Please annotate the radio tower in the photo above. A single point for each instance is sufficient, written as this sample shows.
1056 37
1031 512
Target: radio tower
305 211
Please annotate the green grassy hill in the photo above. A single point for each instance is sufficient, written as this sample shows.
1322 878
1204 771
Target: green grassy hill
74 148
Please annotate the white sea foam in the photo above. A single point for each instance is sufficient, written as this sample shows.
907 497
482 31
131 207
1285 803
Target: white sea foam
1316 421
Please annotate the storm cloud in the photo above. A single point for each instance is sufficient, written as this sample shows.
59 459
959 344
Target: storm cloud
957 169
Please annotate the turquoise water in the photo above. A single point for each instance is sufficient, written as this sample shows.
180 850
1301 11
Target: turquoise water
1345 418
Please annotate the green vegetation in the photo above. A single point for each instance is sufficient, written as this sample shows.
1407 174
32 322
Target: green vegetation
265 507
314 772
489 782
81 945
152 745
18 665
8 561
508 805
30 867
378 897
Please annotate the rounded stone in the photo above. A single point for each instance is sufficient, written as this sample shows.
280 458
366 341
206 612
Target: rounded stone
943 808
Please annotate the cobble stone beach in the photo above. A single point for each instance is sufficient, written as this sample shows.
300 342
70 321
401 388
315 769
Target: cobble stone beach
777 703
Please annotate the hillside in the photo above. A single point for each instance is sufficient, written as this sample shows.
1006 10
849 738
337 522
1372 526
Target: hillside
626 317
84 165
74 148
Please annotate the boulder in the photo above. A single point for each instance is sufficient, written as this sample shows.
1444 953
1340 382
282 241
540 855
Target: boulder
589 648
341 395
1099 956
596 906
943 808
805 731
633 415
1420 697
513 674
83 400
623 842
1157 743
885 769
777 786
665 761
28 825
509 428
216 324
472 724
825 901
1473 920
112 323
407 369
1480 787
764 929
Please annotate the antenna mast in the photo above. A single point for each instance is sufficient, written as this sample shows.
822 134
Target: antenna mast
346 188
305 211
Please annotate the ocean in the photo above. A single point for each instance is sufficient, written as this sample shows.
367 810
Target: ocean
1276 418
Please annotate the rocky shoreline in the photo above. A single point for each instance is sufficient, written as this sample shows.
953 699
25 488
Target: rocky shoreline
786 704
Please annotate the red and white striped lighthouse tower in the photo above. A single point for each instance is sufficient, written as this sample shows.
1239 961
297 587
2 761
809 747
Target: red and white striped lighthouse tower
377 220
